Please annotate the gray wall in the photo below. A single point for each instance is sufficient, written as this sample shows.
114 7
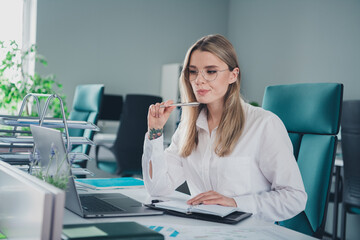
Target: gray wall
284 41
121 43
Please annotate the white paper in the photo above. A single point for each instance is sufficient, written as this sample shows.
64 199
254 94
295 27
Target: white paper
220 232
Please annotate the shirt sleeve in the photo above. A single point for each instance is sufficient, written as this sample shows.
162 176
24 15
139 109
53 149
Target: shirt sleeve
287 196
167 170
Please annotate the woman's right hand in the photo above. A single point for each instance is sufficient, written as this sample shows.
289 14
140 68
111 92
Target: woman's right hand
157 116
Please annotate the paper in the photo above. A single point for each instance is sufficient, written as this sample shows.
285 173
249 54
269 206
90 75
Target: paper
21 139
221 232
17 155
54 123
79 232
215 233
168 232
181 206
110 183
29 139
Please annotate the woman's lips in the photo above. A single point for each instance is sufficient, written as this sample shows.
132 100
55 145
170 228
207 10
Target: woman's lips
202 92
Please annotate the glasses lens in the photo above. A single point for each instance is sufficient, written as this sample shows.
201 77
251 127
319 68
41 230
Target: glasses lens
191 74
209 75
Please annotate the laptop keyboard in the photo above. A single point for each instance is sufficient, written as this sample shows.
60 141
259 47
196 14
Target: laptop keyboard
94 204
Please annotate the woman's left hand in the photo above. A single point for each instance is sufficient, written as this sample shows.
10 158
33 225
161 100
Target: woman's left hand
212 197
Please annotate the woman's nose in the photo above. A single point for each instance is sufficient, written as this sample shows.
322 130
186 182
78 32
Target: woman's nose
200 78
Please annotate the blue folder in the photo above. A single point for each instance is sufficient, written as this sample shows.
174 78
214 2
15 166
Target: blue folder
110 183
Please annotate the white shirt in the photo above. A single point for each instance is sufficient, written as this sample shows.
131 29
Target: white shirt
261 173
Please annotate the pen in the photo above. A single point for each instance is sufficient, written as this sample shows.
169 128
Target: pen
190 104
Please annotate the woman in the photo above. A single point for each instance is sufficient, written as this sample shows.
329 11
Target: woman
229 152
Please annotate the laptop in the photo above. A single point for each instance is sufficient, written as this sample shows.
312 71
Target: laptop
87 205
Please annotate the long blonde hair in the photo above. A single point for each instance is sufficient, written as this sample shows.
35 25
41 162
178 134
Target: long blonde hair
232 119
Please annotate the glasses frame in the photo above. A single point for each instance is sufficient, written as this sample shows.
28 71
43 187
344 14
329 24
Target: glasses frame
187 74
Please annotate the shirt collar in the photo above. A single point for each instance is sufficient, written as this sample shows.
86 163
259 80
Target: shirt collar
201 121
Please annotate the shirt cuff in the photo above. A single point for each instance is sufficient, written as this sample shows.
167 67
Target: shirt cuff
246 203
154 150
156 144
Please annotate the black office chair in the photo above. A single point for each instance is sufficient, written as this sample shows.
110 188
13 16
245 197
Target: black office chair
128 146
350 143
111 107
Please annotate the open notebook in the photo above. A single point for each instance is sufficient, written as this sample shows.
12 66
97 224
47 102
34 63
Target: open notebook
214 213
181 206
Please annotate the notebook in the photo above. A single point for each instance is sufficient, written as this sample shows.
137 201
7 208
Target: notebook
113 230
181 206
88 205
213 213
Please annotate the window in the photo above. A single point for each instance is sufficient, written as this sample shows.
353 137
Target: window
18 22
11 20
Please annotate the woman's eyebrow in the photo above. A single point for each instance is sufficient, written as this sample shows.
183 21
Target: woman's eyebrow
207 67
211 66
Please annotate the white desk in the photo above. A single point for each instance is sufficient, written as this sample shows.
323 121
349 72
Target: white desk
192 228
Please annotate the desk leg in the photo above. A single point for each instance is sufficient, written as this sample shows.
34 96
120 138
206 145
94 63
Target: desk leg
336 202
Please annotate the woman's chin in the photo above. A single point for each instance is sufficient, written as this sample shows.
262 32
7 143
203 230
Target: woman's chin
201 100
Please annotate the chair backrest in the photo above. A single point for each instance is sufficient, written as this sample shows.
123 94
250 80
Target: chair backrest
111 107
350 144
311 114
86 107
128 146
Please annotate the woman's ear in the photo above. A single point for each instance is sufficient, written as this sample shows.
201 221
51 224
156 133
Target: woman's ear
233 75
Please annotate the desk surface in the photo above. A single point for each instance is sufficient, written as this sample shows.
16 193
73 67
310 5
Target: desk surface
250 228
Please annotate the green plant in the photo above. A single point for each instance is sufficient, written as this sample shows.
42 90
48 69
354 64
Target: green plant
255 104
15 83
54 173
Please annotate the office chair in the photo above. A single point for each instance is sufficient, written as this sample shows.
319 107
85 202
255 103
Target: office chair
350 143
111 107
128 146
86 106
311 114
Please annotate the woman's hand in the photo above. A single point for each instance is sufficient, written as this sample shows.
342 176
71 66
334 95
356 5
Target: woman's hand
212 197
157 117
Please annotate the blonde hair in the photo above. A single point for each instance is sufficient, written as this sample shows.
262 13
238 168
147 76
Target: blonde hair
232 119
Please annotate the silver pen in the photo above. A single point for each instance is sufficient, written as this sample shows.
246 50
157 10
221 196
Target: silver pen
190 104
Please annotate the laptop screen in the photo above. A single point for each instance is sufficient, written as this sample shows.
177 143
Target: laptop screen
53 157
51 148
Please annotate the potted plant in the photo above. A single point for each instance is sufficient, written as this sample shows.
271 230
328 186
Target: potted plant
54 173
15 83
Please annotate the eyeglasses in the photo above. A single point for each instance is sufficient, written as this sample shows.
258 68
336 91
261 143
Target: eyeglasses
208 74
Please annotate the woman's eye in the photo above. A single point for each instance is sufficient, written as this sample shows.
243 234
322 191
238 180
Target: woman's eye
210 72
193 72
